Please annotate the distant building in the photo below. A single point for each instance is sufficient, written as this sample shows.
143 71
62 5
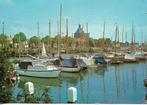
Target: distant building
80 33
81 37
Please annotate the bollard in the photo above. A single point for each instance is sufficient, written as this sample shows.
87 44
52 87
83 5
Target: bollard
72 95
29 88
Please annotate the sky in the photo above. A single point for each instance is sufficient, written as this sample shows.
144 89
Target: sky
23 15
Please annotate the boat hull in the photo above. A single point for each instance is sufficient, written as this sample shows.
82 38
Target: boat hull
70 69
41 73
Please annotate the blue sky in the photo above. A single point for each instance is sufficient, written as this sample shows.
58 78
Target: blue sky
22 15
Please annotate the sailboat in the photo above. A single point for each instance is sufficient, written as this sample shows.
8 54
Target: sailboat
130 57
69 64
43 53
117 56
138 54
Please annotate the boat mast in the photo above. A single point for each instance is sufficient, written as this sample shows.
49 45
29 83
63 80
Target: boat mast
73 46
123 34
104 34
116 37
126 36
58 36
133 36
49 43
86 27
60 25
38 34
66 36
141 43
144 47
3 28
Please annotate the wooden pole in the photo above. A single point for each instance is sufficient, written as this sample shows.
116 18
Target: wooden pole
66 36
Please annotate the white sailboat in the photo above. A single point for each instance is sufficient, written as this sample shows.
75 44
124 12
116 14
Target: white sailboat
43 53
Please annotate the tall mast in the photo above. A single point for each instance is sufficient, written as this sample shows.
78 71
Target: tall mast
123 34
118 34
86 27
141 38
60 21
126 36
104 31
38 34
3 29
66 36
133 35
58 42
115 37
49 43
73 41
49 27
38 29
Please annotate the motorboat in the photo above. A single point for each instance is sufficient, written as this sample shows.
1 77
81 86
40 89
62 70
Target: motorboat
28 68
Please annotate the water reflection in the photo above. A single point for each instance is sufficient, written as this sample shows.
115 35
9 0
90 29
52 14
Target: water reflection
42 81
117 79
113 84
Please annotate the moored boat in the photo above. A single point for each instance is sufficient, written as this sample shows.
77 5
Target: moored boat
69 65
139 55
88 60
100 60
130 58
26 68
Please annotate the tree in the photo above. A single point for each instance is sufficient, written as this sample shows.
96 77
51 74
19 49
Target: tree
6 72
34 41
3 40
19 37
46 40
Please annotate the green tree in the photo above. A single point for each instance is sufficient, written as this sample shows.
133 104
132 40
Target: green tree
34 41
47 40
6 72
3 40
19 37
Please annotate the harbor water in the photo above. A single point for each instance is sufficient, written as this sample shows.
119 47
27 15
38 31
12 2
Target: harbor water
113 84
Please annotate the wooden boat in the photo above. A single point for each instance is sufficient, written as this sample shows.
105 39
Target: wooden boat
116 60
26 68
